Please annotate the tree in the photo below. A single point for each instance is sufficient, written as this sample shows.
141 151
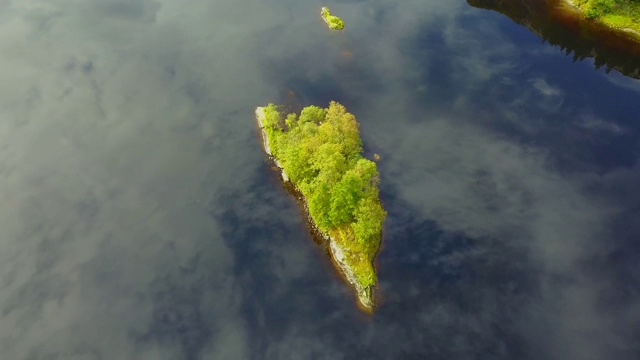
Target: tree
369 217
346 195
312 113
320 205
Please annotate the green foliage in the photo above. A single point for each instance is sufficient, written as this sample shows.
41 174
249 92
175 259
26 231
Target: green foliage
597 8
615 13
313 114
344 200
320 204
320 151
370 216
272 117
291 121
334 22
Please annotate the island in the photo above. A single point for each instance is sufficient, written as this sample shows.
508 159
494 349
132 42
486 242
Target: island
319 155
334 22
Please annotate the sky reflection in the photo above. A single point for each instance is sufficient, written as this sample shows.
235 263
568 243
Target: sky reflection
139 218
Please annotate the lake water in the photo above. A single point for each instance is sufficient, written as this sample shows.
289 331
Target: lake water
139 218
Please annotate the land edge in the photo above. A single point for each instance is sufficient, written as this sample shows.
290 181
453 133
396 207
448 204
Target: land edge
632 33
324 17
365 295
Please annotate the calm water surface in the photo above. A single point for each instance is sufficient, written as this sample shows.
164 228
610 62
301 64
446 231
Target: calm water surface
139 219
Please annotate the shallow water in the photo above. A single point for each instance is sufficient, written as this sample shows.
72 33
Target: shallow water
139 218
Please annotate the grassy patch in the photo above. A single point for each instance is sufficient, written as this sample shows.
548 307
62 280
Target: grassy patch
359 258
613 13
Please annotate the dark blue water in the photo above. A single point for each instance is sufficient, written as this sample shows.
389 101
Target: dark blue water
139 218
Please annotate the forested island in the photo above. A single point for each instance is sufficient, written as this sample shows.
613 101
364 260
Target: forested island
320 153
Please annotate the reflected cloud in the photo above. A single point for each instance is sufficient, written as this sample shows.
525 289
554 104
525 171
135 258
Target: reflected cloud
596 124
552 97
473 180
140 220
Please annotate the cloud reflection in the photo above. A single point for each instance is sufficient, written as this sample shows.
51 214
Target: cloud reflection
139 219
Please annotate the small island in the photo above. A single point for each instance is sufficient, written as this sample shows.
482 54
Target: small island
319 153
334 22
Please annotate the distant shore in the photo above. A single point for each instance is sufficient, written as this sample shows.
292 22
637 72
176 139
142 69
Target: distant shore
635 33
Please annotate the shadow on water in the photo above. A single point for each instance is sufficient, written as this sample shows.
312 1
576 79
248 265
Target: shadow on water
562 25
443 295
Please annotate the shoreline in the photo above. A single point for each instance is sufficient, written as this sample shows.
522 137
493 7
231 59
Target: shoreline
561 24
635 34
365 296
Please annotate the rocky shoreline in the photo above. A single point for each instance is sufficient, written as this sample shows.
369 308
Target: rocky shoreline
365 295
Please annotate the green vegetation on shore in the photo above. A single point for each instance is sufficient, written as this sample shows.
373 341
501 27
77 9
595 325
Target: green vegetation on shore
614 13
334 22
320 151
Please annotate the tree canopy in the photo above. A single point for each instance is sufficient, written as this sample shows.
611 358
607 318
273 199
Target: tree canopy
334 22
321 152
